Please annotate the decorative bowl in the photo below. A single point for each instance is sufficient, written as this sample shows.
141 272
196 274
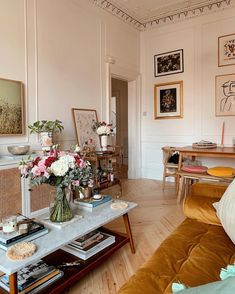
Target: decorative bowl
18 149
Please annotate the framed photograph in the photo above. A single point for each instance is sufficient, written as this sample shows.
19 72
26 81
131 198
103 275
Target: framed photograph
11 108
168 100
226 50
169 63
83 121
225 95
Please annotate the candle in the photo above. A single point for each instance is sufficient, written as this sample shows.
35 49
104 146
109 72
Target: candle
9 224
222 135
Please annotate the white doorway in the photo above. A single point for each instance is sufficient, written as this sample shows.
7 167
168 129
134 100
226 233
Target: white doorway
119 117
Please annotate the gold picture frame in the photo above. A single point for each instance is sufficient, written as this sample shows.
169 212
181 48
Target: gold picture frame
226 50
225 95
11 108
83 122
168 100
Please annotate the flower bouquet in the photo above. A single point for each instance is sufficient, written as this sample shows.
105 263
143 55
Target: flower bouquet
60 169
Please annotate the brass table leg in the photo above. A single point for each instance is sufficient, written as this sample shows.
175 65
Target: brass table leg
13 283
128 230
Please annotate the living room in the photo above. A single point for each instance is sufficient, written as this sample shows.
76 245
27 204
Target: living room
65 53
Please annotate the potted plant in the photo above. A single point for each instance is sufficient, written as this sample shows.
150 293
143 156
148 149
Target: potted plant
46 129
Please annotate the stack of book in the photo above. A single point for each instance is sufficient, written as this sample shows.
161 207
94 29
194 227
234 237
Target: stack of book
36 230
92 204
90 244
33 278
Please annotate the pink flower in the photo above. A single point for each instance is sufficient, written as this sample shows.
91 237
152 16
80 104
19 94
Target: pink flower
36 171
41 166
46 174
82 163
76 183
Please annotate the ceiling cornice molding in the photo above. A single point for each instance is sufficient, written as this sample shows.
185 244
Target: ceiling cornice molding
171 17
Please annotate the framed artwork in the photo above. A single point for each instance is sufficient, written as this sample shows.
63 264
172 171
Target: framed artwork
226 50
83 121
168 100
225 95
168 63
11 108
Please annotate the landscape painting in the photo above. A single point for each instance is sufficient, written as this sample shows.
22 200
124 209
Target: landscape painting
11 108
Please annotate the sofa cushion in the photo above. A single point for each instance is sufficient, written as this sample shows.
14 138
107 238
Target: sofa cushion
221 287
198 204
193 254
226 211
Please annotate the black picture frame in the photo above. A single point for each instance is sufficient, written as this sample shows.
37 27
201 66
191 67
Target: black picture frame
169 63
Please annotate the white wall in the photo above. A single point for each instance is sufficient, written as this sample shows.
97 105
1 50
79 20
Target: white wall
199 39
57 48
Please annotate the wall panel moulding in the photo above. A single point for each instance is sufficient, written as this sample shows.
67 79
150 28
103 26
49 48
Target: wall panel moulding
163 15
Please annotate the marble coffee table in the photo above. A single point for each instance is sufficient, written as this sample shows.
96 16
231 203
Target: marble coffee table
58 237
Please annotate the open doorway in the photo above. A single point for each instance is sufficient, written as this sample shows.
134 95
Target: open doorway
119 117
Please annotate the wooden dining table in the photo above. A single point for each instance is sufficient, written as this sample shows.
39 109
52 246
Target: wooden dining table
189 151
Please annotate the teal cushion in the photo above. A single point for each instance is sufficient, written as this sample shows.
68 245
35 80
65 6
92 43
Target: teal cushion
226 286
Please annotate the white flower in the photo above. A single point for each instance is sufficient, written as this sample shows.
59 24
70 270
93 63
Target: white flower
103 130
60 167
68 159
77 149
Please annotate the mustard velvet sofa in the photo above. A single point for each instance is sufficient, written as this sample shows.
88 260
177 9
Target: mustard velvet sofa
193 254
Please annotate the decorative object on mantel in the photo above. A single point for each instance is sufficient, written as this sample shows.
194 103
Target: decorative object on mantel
204 145
18 149
11 108
46 129
62 170
21 250
103 130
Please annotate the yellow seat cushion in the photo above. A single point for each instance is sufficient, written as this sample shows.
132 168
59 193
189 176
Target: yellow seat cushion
221 171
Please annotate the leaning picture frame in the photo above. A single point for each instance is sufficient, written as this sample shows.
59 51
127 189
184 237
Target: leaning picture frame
226 50
168 100
169 63
11 108
224 95
83 122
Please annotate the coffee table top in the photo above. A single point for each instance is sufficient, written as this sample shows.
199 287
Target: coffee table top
57 238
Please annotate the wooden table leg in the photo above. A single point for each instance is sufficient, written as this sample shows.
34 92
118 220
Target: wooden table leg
13 283
128 230
181 187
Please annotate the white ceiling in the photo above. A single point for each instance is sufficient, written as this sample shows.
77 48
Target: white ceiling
147 10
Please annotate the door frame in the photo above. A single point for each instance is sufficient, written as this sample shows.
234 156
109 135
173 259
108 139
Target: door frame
134 110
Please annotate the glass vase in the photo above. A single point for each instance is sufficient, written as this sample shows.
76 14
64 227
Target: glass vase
61 211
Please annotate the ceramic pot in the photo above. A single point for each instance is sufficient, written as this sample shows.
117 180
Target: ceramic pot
104 142
46 140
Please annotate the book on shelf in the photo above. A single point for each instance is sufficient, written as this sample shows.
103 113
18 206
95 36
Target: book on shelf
92 203
87 252
12 237
30 237
33 276
84 240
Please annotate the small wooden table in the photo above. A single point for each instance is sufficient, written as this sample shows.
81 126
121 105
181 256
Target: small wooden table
219 152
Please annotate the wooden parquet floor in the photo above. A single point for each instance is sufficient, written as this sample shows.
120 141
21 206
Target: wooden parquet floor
156 216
